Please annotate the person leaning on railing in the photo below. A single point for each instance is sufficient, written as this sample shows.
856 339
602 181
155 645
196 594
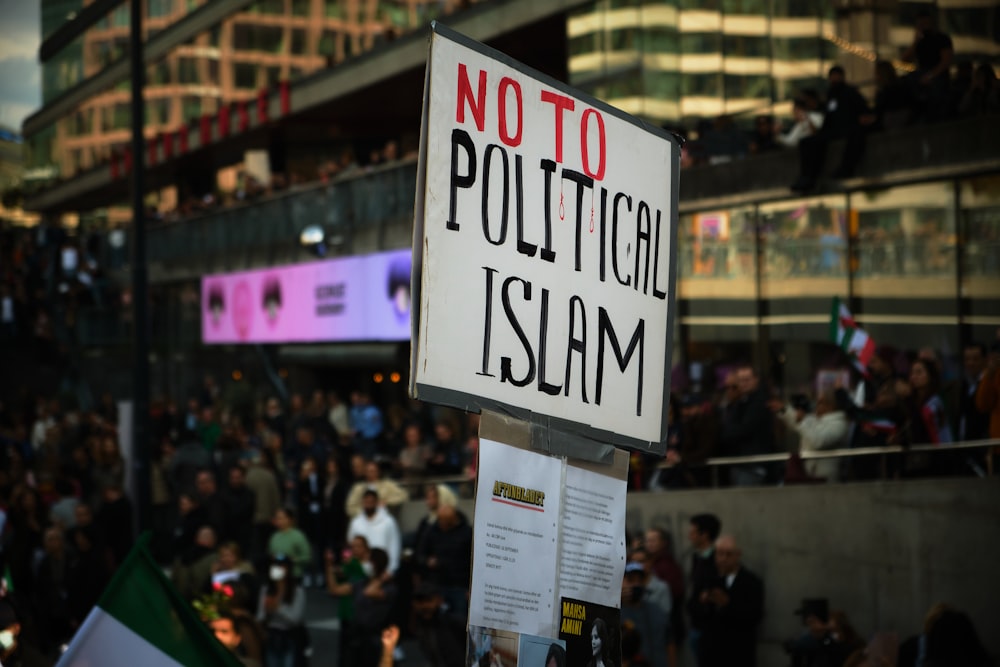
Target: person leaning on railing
988 393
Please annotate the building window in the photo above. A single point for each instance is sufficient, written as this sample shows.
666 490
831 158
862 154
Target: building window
702 85
742 46
299 42
258 38
584 44
626 39
187 71
747 86
701 42
746 7
661 40
190 107
158 8
245 76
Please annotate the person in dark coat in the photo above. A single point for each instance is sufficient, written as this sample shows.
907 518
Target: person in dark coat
702 532
845 106
440 632
445 556
748 429
732 610
239 504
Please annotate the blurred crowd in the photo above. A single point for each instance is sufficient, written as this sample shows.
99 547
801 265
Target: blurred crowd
900 399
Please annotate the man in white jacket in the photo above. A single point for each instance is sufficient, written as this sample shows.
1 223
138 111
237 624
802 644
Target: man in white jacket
376 525
826 429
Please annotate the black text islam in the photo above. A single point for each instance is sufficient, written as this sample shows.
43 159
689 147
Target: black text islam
648 268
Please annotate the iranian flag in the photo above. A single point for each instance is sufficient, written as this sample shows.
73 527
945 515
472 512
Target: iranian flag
852 339
141 619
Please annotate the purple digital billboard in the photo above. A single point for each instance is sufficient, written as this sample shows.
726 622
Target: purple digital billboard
358 298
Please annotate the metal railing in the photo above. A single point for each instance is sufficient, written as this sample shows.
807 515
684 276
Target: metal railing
717 463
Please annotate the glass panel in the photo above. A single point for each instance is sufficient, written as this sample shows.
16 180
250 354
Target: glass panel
904 266
717 287
804 244
980 217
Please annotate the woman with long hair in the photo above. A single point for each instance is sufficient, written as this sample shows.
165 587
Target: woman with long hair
281 610
599 644
928 421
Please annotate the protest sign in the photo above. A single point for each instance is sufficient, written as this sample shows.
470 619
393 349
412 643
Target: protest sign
544 251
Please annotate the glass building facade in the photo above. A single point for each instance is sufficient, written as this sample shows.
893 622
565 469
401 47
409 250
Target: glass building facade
918 264
677 61
268 42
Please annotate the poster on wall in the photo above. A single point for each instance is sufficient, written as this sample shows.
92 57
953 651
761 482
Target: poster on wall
357 298
544 250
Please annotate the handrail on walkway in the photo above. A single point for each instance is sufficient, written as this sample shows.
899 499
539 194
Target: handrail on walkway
717 462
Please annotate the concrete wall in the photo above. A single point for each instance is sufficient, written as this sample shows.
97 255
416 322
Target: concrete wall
884 552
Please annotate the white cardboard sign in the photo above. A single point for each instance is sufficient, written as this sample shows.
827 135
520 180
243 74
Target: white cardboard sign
544 246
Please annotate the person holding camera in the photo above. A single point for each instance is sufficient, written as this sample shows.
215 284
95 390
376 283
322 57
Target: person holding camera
826 428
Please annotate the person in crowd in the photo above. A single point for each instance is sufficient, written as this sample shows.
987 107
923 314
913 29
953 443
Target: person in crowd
655 590
699 436
659 545
648 618
226 630
732 610
439 631
377 526
446 450
310 511
842 121
703 531
748 428
390 493
434 496
14 652
444 556
808 119
933 52
52 591
261 481
88 573
827 428
983 95
210 500
366 425
332 507
339 416
290 542
893 100
928 420
25 526
353 569
973 423
229 565
281 610
373 602
414 453
238 504
988 391
192 570
948 638
763 137
114 522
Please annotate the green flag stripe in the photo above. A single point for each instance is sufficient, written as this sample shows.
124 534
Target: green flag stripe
143 600
835 319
